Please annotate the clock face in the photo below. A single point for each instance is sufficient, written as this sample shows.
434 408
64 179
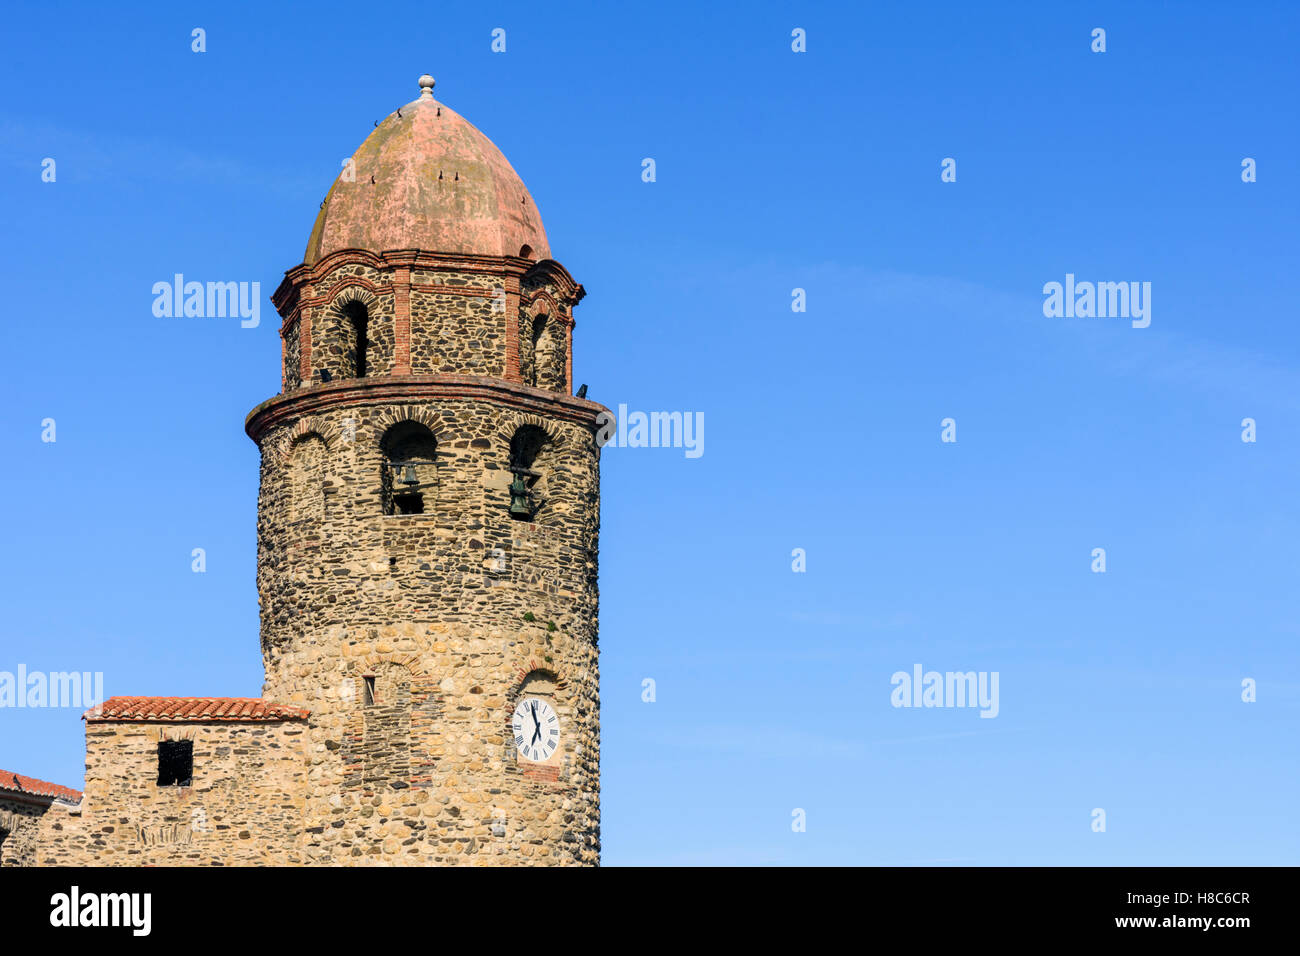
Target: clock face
536 728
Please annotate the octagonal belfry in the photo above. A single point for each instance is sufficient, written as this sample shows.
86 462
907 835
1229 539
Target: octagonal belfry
429 512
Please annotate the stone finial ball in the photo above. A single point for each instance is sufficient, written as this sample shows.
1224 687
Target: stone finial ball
426 84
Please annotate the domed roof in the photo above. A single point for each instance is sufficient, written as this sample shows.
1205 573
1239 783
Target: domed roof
427 179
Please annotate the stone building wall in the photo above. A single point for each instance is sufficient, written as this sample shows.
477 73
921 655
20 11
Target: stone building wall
458 322
458 319
332 340
20 822
291 373
244 806
430 611
545 353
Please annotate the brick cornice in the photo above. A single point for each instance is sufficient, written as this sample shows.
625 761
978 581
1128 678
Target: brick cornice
392 390
290 295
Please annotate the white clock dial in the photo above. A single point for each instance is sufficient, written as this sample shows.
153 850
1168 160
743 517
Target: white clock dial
536 729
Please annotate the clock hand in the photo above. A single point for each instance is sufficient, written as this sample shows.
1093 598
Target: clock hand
537 725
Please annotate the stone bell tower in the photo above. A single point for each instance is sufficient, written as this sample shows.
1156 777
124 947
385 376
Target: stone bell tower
429 512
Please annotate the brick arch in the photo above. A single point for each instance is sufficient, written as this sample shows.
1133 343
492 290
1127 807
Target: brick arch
528 670
304 428
354 290
542 302
396 414
419 682
410 663
518 420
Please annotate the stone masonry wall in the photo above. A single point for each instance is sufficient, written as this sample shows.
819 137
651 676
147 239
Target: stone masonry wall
429 610
292 353
244 807
20 822
458 324
331 334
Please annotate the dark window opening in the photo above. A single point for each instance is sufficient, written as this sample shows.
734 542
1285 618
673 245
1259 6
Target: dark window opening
175 763
356 331
359 326
408 504
370 689
4 835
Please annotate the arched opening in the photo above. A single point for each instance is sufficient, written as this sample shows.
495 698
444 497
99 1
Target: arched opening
307 472
356 337
536 348
409 478
529 450
542 363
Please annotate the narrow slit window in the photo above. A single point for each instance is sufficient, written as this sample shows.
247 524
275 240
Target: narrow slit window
175 763
355 333
369 689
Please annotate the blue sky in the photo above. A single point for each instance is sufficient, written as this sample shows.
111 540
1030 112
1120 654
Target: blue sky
775 170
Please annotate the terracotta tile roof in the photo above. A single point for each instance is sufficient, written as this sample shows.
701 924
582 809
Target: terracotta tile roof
193 708
36 788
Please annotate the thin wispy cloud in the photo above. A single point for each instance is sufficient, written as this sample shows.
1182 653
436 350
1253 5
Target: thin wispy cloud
123 158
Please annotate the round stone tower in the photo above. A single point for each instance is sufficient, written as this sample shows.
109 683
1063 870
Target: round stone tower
429 512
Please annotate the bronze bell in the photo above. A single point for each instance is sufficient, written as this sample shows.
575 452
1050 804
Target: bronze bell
408 476
519 504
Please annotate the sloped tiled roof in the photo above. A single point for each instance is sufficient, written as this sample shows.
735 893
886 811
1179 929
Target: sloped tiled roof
36 788
194 708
